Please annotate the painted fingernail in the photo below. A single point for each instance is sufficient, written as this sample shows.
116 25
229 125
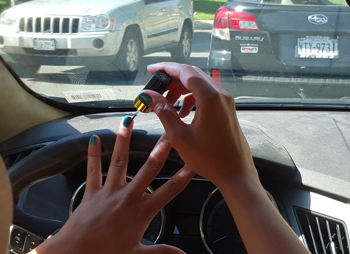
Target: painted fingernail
150 65
145 98
127 121
93 140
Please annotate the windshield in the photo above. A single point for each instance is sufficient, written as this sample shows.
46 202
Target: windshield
264 52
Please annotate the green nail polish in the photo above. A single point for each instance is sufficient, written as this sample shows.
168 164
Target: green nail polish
127 121
93 140
145 98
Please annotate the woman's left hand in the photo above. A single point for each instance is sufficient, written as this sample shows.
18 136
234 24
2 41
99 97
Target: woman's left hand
113 217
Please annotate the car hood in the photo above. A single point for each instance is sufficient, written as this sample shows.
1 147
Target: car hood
69 7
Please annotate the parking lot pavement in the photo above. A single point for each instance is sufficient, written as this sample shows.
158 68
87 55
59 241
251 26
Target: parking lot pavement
55 81
203 24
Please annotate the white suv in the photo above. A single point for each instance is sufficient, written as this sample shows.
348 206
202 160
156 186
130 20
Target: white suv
80 32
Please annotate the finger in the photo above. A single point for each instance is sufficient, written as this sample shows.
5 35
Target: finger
152 166
206 76
187 106
164 194
212 81
167 114
175 80
94 173
173 95
189 77
179 87
119 162
161 249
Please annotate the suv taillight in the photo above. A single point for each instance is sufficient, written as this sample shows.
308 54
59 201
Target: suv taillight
226 19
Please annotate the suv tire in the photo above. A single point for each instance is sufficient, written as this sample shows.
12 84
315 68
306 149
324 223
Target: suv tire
182 52
128 57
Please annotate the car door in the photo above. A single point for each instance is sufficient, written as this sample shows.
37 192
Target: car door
155 23
174 21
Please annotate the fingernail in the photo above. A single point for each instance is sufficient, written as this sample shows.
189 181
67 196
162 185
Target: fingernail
93 140
150 65
145 98
127 121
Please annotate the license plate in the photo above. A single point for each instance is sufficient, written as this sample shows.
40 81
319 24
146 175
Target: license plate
45 44
317 47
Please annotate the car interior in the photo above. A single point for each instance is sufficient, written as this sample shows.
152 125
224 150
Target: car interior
301 150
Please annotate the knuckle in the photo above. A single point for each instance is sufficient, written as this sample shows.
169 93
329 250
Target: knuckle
119 160
152 164
90 170
213 97
174 186
195 79
163 108
228 97
128 199
181 137
146 208
184 67
217 98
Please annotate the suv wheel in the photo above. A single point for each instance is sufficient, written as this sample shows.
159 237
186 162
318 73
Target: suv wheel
183 51
128 57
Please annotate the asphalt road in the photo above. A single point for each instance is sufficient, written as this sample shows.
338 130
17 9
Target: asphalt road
67 82
75 84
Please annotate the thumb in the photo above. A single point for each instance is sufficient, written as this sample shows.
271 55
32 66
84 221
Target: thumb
161 249
166 112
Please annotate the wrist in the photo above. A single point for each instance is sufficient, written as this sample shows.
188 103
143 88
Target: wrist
54 245
241 175
243 190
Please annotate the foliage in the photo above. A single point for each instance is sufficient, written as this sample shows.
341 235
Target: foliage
205 9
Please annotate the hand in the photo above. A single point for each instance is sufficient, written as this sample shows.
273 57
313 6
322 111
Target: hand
113 218
213 145
5 208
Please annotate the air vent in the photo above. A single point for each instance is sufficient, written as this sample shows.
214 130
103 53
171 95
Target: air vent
11 158
323 235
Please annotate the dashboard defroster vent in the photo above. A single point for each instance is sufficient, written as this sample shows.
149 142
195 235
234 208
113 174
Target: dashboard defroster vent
323 235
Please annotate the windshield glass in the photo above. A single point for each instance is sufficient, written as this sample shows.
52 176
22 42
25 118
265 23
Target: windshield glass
94 54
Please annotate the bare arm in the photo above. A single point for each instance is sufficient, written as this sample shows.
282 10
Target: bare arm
261 227
215 147
5 208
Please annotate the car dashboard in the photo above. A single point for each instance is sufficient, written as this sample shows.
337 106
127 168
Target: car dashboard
302 157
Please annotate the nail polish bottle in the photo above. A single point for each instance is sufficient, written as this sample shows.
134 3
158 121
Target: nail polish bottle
159 83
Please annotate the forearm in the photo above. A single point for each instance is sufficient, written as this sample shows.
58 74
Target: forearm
5 208
51 246
261 227
62 244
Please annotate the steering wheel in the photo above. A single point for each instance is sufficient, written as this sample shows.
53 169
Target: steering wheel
61 156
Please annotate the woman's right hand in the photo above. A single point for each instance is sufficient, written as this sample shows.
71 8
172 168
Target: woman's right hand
213 145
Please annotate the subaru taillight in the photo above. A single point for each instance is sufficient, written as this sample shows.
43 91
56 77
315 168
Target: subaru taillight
226 20
215 74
